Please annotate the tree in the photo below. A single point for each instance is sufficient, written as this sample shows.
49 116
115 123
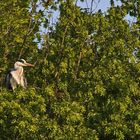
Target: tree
86 81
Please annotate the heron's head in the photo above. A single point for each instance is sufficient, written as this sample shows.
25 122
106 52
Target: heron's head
22 63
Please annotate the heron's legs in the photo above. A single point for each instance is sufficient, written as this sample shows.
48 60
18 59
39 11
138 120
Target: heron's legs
13 84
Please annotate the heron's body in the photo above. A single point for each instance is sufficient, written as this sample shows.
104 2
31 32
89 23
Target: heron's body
16 76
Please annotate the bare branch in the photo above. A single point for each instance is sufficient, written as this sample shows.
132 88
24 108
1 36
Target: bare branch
87 4
29 31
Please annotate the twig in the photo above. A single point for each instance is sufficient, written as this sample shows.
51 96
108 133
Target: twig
29 31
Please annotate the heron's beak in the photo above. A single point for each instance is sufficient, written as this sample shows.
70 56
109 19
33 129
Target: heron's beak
30 65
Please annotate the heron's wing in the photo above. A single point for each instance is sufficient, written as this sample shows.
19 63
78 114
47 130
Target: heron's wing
7 81
10 82
15 75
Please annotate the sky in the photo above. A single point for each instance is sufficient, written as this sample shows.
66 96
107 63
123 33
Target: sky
97 4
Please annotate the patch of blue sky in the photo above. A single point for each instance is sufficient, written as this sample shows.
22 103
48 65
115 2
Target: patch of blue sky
95 6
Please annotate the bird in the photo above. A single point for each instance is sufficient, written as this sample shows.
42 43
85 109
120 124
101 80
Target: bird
16 77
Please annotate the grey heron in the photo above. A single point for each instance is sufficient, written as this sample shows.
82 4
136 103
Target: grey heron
16 76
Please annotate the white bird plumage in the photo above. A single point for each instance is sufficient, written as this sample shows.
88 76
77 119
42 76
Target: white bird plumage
16 75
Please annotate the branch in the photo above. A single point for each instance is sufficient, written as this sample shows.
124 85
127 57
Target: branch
96 4
91 6
78 64
29 31
61 53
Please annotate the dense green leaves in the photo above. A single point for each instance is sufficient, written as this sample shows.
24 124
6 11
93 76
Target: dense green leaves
85 83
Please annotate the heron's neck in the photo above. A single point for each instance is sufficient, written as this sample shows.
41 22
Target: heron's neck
18 67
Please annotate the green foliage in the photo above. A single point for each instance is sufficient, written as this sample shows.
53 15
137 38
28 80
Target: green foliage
85 84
